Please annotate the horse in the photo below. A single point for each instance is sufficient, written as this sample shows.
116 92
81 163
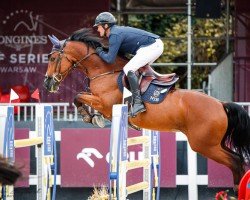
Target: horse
217 130
9 173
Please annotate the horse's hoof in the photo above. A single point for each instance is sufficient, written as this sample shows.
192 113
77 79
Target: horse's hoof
98 120
81 111
86 118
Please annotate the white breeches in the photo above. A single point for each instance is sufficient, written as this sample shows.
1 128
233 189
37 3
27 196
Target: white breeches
144 55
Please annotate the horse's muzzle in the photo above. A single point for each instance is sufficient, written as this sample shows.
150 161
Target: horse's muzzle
50 84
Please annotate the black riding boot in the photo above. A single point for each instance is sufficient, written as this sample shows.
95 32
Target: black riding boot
138 105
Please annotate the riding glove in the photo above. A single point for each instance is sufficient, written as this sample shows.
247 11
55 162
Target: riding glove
99 50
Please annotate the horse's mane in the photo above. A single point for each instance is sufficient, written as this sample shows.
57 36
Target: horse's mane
87 36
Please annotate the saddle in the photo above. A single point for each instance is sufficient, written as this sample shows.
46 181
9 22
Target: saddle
148 76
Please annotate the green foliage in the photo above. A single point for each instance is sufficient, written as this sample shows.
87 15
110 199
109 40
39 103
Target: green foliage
208 45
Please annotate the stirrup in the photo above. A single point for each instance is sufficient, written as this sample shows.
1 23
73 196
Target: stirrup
133 114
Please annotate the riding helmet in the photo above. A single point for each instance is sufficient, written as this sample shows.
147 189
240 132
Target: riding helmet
105 18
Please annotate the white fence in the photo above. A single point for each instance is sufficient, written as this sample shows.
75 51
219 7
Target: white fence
26 111
62 111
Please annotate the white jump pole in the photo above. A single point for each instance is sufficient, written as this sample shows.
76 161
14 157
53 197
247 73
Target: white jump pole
45 130
7 144
147 169
119 164
118 152
44 142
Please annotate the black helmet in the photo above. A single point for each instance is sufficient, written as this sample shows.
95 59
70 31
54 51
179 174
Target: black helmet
105 18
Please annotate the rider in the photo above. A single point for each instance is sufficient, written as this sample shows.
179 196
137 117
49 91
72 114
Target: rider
146 48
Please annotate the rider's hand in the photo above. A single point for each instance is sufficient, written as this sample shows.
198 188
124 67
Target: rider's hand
99 49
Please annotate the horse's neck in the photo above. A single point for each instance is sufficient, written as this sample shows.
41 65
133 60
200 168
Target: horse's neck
94 65
99 66
120 63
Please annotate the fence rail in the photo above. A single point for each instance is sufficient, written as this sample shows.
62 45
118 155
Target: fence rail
63 111
26 111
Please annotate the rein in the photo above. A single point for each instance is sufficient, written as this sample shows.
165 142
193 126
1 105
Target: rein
104 74
59 76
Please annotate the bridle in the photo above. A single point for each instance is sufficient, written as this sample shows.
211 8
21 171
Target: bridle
57 76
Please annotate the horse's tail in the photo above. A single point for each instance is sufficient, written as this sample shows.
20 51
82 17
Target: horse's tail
237 137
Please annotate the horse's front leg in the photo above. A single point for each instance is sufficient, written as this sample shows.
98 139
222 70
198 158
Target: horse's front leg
83 109
83 101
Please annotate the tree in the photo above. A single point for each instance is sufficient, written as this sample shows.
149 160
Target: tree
208 43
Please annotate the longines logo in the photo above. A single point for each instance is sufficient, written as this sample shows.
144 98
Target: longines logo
24 26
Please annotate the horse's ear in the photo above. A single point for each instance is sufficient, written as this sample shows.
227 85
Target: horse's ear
54 41
55 38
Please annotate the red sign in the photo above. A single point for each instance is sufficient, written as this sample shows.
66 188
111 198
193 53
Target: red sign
84 158
22 158
219 175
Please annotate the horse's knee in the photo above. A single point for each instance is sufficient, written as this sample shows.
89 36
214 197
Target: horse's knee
76 101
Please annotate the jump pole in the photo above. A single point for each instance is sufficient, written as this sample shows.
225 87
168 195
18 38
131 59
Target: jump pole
119 164
45 147
45 151
118 152
7 144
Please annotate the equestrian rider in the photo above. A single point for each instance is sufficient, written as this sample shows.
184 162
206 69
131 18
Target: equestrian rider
146 48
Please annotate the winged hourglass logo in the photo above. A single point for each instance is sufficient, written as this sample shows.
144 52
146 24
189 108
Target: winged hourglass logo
22 29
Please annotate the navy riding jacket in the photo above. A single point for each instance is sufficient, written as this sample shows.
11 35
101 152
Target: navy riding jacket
126 40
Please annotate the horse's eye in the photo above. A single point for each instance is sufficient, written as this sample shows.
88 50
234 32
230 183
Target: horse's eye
52 59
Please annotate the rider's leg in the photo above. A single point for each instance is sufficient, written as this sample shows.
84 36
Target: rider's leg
143 56
134 86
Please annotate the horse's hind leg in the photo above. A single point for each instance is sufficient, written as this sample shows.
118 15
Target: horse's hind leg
229 159
240 170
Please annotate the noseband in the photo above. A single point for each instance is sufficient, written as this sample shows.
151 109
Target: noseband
57 76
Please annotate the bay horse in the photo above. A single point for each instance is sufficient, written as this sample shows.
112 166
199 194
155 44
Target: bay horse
217 130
